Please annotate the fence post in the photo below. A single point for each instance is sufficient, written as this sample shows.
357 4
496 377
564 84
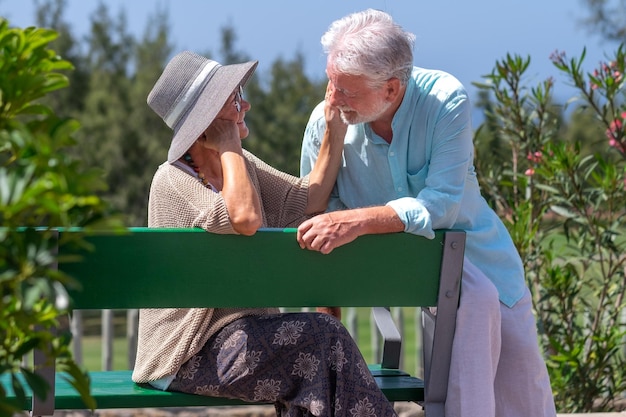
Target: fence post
352 323
76 326
419 366
375 340
107 340
132 327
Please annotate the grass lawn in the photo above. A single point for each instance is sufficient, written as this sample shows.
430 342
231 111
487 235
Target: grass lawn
92 344
92 353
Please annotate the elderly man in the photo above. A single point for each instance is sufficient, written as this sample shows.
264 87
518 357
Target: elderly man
408 167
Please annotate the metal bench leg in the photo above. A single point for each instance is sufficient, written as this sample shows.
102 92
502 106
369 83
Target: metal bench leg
40 406
439 328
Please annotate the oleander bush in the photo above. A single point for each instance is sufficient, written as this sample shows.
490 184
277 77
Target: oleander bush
565 208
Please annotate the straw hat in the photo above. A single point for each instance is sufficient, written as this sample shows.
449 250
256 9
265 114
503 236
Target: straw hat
190 93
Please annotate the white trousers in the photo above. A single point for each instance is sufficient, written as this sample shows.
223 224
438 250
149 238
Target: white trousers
497 368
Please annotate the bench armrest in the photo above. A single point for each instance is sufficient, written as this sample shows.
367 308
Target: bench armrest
392 340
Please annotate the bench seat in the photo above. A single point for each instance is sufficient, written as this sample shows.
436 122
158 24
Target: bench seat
115 389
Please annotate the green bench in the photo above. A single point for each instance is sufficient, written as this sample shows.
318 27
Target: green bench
168 268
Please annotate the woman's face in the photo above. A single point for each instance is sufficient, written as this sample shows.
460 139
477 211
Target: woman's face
235 109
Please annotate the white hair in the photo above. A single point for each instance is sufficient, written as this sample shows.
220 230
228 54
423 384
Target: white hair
369 43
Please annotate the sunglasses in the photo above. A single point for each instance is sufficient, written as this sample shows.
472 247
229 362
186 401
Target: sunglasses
238 98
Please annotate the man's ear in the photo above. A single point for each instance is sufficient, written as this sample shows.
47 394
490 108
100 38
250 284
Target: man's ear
394 88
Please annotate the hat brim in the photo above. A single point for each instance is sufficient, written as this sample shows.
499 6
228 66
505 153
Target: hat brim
211 100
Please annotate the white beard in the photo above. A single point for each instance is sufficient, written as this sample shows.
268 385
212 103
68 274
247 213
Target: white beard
351 117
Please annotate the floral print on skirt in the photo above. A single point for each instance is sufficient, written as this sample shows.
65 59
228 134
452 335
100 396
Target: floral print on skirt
304 363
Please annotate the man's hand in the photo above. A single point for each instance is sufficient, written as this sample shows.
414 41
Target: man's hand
322 233
328 231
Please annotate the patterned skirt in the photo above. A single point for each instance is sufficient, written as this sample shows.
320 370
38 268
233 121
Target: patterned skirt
304 363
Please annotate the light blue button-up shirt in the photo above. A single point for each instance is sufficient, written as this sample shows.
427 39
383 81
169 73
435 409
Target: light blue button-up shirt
426 175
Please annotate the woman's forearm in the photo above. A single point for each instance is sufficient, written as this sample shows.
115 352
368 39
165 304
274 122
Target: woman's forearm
240 196
324 173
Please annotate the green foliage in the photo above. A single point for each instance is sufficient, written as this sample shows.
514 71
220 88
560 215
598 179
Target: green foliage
41 188
565 205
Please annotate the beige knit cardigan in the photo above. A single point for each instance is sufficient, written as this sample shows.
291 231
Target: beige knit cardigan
169 337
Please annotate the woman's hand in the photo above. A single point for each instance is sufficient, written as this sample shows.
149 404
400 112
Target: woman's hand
333 311
221 135
334 122
322 177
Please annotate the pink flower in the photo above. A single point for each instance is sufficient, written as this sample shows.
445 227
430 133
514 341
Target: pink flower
558 57
535 156
529 172
616 125
615 131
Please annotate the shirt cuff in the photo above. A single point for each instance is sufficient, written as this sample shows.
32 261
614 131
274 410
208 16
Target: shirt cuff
414 215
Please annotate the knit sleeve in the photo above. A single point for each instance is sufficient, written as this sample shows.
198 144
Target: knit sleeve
179 200
284 197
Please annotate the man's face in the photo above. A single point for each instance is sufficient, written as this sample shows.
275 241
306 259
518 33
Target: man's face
355 99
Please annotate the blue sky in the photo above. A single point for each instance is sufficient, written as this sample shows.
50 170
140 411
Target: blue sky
462 37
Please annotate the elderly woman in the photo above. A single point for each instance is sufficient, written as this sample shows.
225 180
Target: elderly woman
305 363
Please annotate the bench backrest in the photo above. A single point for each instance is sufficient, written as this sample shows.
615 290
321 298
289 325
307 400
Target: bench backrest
148 267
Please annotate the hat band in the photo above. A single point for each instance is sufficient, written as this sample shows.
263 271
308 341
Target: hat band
191 95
